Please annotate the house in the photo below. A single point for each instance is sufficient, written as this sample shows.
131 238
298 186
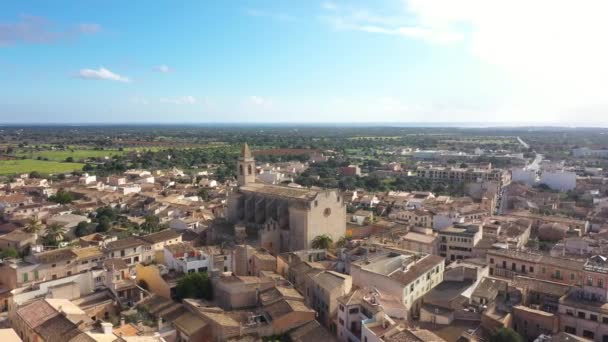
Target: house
131 249
184 258
421 243
159 240
362 217
400 274
119 281
458 242
18 240
322 292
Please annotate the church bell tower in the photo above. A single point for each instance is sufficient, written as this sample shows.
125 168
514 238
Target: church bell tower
245 167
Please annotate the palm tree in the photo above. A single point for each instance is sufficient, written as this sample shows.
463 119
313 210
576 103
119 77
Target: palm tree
323 241
342 241
54 234
33 226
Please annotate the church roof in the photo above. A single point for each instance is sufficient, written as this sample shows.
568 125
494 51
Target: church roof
280 191
245 151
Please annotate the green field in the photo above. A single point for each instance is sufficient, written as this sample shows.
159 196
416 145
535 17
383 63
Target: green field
9 167
77 154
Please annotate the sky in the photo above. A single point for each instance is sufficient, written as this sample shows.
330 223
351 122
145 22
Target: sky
457 61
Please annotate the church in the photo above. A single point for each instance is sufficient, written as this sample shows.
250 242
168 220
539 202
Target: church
286 218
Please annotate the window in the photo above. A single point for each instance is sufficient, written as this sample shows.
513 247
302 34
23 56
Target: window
341 307
589 281
36 276
491 260
543 270
353 311
588 334
25 276
523 268
54 265
605 320
69 273
68 262
570 330
569 312
571 276
136 259
593 317
581 314
341 321
504 264
531 269
600 283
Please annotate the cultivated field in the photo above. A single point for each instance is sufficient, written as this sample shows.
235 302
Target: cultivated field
9 167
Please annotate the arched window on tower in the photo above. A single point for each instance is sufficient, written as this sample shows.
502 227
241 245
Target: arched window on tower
249 169
241 169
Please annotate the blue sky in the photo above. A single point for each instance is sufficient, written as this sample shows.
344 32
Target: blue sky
301 61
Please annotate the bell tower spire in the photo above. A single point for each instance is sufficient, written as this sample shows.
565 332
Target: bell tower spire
245 167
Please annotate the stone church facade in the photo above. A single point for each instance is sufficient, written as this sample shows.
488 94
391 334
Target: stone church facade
286 218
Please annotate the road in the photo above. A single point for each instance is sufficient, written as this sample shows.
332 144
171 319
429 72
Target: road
523 143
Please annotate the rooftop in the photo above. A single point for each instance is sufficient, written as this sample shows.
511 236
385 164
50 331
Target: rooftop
280 191
163 235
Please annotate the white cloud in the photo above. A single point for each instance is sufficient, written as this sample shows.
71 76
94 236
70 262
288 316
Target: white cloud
140 100
259 101
102 74
358 19
89 28
553 49
164 69
278 16
329 6
180 100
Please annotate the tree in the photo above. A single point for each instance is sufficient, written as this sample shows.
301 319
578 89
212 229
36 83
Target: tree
151 224
342 241
54 235
322 242
506 335
9 252
61 197
194 285
84 228
35 174
69 159
203 194
33 226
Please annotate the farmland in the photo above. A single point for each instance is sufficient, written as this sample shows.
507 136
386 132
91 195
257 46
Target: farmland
9 167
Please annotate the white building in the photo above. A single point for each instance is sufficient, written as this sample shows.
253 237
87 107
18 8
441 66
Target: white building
87 179
406 276
559 179
524 175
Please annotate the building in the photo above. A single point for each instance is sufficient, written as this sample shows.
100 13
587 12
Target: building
286 218
584 311
468 175
560 180
350 170
322 292
507 263
458 242
403 275
131 249
421 243
584 152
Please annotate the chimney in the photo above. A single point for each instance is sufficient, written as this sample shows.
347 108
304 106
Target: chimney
159 322
106 327
122 321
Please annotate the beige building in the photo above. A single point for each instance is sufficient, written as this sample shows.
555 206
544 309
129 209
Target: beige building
286 218
403 275
322 291
458 242
421 243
